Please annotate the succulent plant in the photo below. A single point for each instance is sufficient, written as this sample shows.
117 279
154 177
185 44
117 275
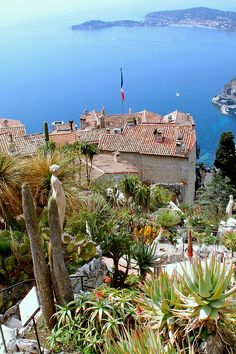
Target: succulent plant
160 300
78 247
207 285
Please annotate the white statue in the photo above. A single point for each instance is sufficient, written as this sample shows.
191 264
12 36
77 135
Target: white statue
230 206
58 193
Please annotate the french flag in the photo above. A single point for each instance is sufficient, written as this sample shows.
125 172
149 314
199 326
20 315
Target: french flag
122 85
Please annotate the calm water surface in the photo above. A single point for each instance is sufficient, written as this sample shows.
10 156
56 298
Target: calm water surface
49 72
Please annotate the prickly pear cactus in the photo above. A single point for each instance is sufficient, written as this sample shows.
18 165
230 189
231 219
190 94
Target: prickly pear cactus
79 247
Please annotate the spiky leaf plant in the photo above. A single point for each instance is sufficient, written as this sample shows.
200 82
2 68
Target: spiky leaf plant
207 294
38 175
145 256
11 178
167 218
229 241
159 301
139 342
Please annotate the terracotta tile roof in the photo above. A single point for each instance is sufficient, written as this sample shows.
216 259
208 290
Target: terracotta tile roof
90 119
92 136
141 139
106 163
27 145
113 121
5 122
179 118
62 138
63 127
4 143
24 145
14 127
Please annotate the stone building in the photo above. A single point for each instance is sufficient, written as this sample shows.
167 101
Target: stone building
163 148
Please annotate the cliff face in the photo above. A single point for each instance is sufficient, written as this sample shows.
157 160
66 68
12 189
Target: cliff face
226 101
230 89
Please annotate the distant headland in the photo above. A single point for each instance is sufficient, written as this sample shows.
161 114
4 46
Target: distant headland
194 17
226 101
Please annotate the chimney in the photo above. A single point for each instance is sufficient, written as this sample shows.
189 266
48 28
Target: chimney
5 122
158 136
103 111
170 118
102 122
130 110
71 124
115 156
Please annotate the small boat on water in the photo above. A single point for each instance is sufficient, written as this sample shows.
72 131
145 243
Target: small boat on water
177 94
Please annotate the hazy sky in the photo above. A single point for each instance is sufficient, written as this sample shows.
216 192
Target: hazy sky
20 11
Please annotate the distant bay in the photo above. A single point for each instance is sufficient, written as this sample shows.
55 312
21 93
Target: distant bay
48 72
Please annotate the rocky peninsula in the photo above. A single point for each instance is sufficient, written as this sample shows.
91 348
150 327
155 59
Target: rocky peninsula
194 17
226 101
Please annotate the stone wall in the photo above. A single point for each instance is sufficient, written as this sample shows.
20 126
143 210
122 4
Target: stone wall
166 169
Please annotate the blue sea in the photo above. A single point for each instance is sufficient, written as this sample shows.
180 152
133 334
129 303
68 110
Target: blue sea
49 72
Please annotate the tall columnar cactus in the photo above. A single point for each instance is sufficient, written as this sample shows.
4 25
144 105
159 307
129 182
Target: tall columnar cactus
46 133
41 271
60 276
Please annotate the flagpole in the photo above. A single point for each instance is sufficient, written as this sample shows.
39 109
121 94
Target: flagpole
122 91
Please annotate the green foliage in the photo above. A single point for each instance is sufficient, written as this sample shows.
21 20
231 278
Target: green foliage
142 195
225 156
79 248
210 240
214 197
167 218
160 300
5 242
84 324
145 256
229 241
159 197
207 284
46 133
197 222
129 183
141 341
89 150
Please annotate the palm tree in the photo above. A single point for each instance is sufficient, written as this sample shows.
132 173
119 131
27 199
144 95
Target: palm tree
11 177
89 151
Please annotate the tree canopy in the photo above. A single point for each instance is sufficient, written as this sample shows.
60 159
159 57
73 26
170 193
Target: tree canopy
225 156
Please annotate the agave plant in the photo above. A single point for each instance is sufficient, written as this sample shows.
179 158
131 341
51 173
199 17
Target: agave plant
206 283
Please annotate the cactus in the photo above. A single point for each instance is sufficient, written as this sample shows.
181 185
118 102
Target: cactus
41 271
79 246
60 276
46 133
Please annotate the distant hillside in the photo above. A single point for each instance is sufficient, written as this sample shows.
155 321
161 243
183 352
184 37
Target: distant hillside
198 16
